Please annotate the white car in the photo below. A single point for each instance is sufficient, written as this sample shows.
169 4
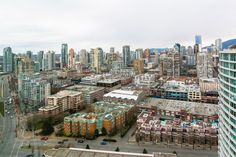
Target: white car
11 117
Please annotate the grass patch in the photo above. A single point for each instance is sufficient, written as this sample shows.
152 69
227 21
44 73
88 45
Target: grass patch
2 108
37 147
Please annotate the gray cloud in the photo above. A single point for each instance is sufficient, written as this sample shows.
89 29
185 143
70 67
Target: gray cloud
36 25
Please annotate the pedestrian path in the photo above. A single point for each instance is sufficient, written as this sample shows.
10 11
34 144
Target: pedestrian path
1 125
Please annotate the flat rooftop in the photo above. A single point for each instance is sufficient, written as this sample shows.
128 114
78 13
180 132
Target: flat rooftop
64 93
101 110
176 105
77 152
84 88
108 81
124 94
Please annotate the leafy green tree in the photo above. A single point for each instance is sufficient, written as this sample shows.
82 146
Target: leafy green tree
47 128
104 131
95 100
96 133
145 151
87 146
174 152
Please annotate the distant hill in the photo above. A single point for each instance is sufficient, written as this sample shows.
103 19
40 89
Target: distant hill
228 43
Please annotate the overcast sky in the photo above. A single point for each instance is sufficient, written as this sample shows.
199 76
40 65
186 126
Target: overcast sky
45 24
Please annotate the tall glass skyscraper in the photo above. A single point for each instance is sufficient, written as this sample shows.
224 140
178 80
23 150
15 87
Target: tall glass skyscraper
8 60
40 58
126 55
227 103
198 39
64 55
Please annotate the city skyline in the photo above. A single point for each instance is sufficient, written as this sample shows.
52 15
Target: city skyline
42 25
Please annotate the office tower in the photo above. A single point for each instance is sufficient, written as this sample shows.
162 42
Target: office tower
177 64
112 50
126 55
97 59
133 56
146 53
83 57
198 39
204 65
40 58
183 50
71 61
139 53
190 59
218 44
190 50
48 61
227 103
23 64
109 60
64 55
177 47
197 49
36 66
138 65
32 91
91 60
51 60
170 64
29 54
8 60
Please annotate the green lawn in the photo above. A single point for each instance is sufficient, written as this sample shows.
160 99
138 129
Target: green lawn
2 108
37 147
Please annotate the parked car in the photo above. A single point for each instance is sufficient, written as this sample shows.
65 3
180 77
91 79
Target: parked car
65 140
103 143
109 140
60 142
44 138
80 141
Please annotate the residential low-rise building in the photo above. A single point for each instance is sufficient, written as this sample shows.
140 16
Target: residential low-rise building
177 131
146 80
179 90
109 84
90 94
208 84
178 123
63 101
108 115
125 96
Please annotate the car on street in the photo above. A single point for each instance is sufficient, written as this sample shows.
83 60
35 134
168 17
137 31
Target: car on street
60 142
80 141
44 138
103 143
65 140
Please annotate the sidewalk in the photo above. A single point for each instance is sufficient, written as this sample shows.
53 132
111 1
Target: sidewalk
1 126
